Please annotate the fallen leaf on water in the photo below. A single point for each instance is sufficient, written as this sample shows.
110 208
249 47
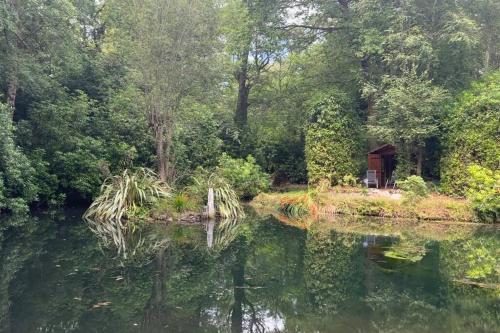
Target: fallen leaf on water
98 305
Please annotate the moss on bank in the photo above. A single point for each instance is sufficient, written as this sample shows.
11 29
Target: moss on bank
378 203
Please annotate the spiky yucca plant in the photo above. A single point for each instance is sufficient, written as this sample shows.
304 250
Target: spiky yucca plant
122 192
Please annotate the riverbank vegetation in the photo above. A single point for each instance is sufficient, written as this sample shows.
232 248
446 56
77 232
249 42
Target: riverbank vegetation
237 95
355 202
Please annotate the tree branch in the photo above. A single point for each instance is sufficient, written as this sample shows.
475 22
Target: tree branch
310 27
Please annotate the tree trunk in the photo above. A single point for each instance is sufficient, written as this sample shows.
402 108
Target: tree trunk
420 157
154 317
169 169
160 152
487 53
12 92
238 272
241 115
210 204
372 141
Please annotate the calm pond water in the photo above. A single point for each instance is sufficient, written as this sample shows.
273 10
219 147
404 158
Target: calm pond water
258 276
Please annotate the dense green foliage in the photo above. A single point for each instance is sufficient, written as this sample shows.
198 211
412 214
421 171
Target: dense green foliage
90 88
244 175
332 140
409 114
484 192
473 134
472 159
18 185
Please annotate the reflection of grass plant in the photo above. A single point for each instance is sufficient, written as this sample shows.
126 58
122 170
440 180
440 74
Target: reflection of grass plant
140 239
227 230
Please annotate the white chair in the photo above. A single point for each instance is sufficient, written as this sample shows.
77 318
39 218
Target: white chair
371 178
391 181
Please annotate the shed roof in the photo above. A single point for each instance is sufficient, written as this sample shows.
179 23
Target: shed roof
387 148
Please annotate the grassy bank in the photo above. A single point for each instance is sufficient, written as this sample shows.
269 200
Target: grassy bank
373 203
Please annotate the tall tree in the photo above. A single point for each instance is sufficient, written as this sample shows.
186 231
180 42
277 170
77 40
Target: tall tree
171 46
36 36
254 43
408 114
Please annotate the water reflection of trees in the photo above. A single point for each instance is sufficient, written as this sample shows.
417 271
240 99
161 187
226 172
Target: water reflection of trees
259 276
20 241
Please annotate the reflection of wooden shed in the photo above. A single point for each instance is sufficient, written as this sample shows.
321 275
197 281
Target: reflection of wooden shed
383 161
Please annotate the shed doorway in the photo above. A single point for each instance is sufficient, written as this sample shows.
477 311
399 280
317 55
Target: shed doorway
383 161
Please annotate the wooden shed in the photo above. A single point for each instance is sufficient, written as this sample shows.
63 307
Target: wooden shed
383 161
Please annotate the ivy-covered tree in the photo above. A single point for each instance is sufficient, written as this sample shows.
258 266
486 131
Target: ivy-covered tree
332 139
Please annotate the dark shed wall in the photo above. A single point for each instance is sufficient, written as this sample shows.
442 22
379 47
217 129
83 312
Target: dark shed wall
375 163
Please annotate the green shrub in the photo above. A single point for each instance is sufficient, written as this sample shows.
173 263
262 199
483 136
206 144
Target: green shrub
349 180
17 206
414 187
244 175
332 140
484 192
472 134
181 202
282 154
18 185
